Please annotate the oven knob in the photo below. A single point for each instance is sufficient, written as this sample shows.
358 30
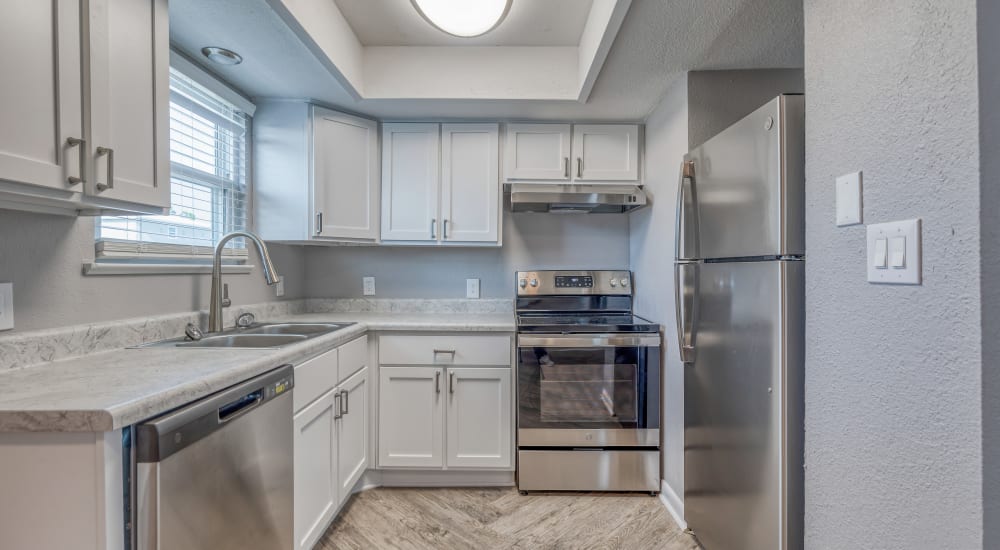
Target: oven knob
614 283
624 282
534 282
523 283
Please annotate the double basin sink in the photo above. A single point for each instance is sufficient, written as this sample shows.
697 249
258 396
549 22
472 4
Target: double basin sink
263 335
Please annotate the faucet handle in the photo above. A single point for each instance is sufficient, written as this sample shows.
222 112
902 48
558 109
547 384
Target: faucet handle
245 320
193 332
226 302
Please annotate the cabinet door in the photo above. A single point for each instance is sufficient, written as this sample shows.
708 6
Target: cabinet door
130 104
410 417
470 183
352 432
41 94
479 418
315 469
344 176
410 159
605 152
537 152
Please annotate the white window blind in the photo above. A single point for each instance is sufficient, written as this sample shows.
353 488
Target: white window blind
208 183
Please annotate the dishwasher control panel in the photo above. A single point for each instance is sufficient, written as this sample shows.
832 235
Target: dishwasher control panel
278 388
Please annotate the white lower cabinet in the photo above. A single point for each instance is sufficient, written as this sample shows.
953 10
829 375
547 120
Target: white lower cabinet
411 410
316 485
445 417
479 418
331 436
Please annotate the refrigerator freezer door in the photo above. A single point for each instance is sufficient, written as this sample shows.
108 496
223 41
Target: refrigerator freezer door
743 395
750 184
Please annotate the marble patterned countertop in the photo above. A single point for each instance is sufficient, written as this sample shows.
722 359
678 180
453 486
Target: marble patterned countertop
110 389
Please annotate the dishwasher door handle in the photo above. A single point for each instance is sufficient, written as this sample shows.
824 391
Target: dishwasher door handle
238 407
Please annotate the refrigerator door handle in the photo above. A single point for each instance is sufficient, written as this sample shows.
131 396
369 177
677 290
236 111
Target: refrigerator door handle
687 174
685 346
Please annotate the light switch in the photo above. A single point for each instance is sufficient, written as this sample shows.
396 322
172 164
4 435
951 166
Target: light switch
897 252
894 255
881 249
6 306
279 287
849 199
368 284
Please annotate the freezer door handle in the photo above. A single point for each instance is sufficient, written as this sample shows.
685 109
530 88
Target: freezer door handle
685 336
687 176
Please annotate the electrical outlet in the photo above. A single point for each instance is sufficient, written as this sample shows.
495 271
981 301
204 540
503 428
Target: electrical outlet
369 286
6 306
279 287
472 288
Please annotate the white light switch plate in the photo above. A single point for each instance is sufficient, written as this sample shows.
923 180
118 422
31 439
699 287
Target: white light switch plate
6 306
849 199
472 288
279 288
369 286
910 272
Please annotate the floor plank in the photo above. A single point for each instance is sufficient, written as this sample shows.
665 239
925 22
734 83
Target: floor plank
481 519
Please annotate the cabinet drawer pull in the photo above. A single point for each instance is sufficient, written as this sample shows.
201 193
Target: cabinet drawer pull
82 143
101 151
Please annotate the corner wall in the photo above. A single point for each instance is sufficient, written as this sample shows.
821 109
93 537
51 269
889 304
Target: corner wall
893 373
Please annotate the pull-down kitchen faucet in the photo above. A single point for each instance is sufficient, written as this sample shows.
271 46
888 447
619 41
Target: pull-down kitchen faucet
215 305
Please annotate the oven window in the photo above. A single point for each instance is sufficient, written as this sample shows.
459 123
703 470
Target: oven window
584 388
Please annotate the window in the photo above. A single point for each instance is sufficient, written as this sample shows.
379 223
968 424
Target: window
208 183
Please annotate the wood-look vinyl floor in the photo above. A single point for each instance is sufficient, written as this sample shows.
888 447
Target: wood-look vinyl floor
487 519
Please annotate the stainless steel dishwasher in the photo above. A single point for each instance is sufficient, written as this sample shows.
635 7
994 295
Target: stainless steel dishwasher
218 474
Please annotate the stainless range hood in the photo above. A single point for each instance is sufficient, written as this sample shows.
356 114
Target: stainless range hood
559 198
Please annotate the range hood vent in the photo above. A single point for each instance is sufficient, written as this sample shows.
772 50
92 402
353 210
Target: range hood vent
558 198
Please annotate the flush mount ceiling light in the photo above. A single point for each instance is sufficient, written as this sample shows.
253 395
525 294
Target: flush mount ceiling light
464 18
222 56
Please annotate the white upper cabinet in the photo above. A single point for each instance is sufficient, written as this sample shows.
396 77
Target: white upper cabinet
121 162
40 95
470 183
410 178
605 152
537 152
596 153
345 176
315 174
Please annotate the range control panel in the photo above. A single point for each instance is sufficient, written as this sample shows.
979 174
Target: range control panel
574 283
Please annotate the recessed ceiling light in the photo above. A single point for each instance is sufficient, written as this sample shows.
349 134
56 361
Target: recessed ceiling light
222 56
464 18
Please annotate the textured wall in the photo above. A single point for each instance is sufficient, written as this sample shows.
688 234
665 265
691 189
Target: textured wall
651 249
893 426
716 99
43 256
530 241
989 147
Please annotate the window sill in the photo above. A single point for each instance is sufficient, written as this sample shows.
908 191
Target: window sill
107 268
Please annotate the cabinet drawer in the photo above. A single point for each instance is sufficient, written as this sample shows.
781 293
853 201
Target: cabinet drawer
353 357
444 350
314 378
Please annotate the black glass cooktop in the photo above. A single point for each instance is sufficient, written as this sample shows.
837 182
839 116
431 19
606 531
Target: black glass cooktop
581 323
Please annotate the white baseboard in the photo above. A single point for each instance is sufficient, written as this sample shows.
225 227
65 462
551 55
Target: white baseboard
673 503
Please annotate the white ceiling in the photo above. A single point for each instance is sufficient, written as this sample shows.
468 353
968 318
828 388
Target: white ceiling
529 23
658 41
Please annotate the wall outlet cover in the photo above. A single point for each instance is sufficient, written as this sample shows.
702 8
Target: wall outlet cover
6 306
369 286
472 288
894 253
849 201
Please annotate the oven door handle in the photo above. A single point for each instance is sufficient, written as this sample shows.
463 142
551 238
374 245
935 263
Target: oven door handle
587 340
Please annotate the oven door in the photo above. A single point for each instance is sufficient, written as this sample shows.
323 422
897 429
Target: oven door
588 390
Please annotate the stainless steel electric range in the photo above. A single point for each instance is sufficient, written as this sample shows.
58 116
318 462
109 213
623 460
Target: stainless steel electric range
588 384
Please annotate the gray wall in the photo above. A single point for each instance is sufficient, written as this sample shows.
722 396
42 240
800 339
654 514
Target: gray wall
651 249
893 394
716 99
530 241
43 256
989 147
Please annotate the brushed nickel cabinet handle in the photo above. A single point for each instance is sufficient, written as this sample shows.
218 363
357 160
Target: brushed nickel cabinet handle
345 402
579 167
319 223
433 227
337 412
446 229
82 143
101 151
437 382
451 382
566 167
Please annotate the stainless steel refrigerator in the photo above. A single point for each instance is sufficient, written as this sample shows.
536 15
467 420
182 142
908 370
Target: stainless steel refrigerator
739 281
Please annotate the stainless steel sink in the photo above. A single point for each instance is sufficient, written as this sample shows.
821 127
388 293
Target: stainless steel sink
262 335
243 341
